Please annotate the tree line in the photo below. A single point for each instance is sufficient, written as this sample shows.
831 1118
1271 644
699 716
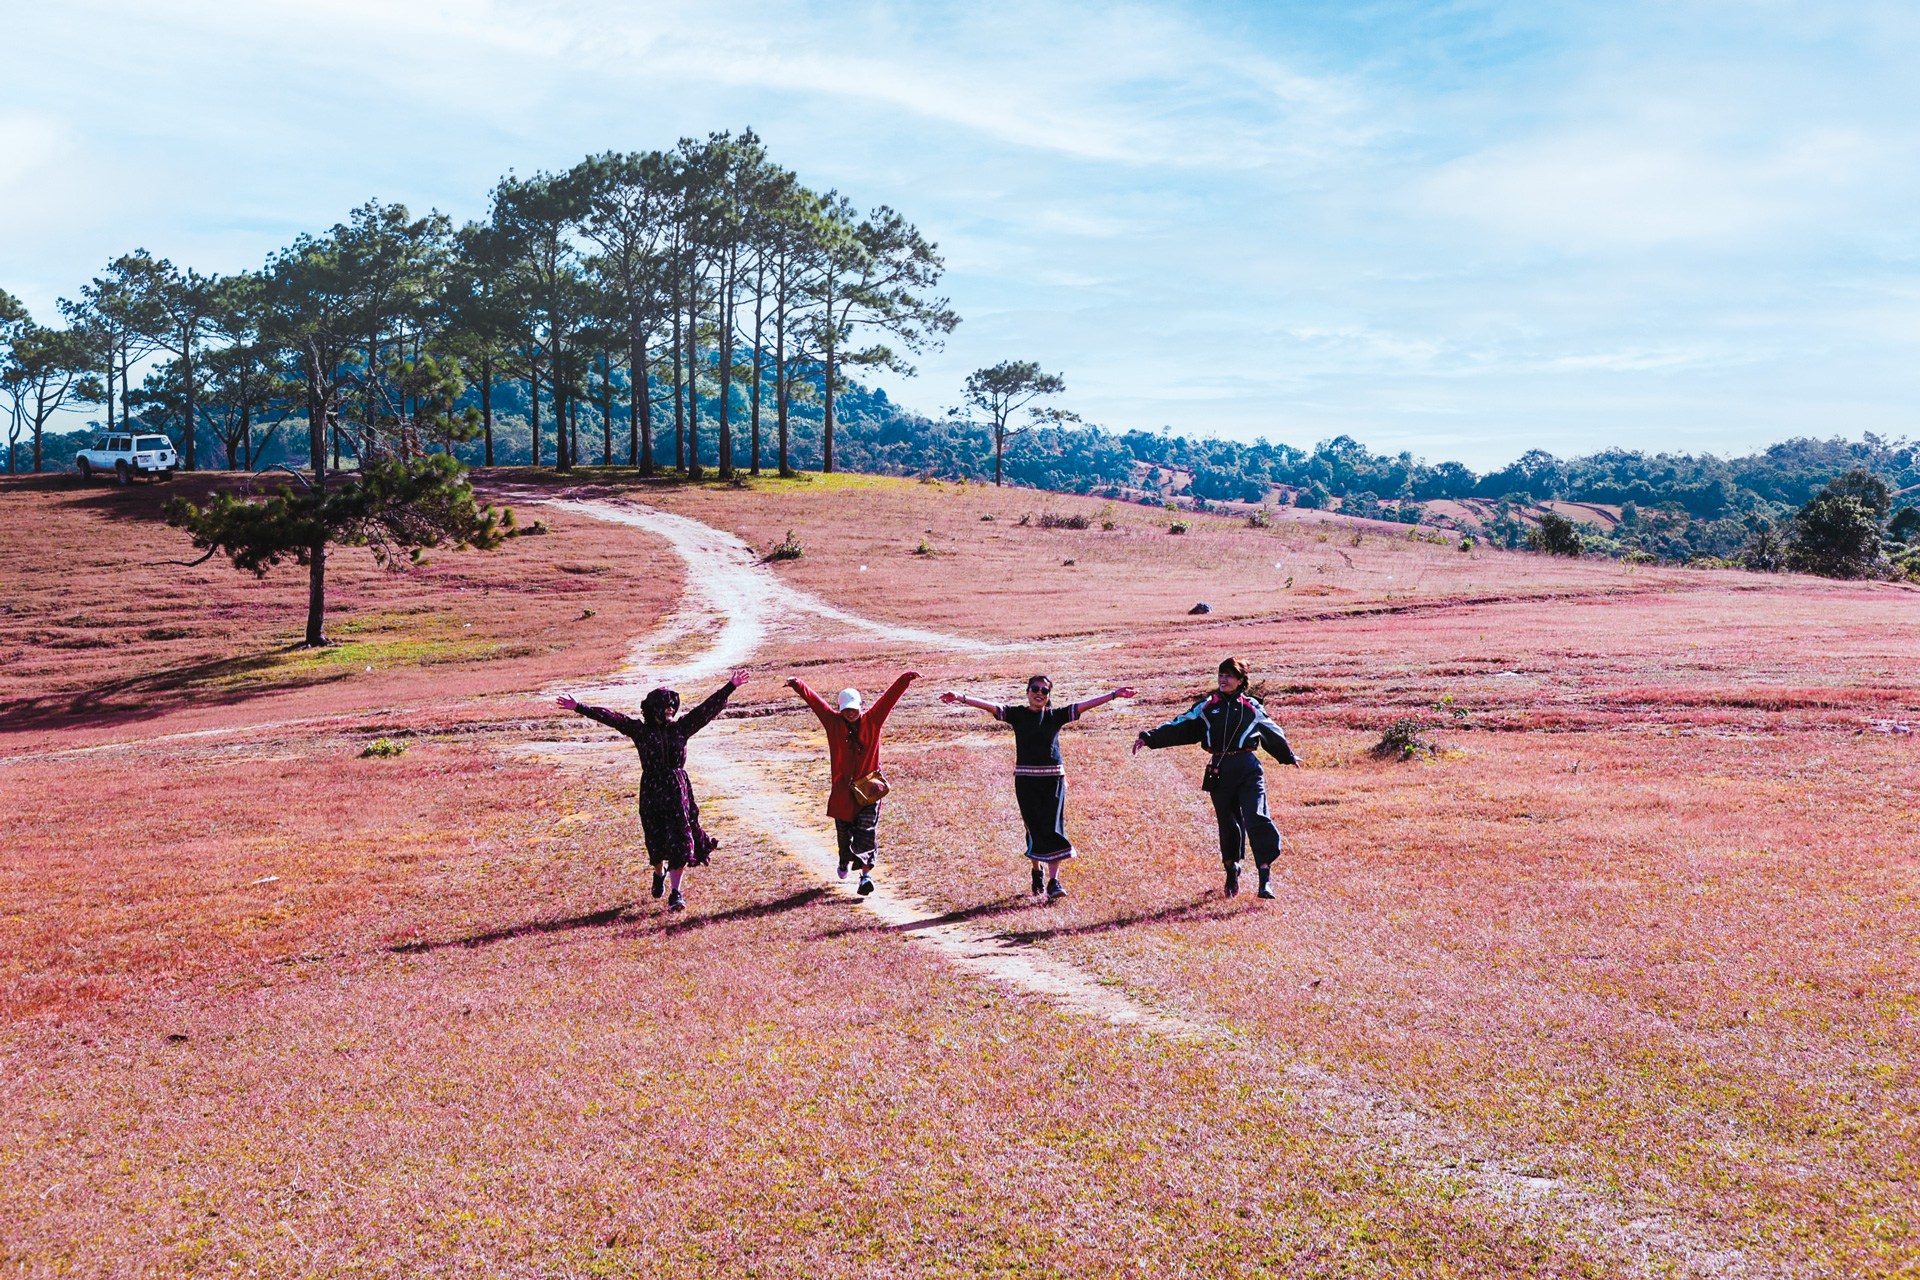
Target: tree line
702 289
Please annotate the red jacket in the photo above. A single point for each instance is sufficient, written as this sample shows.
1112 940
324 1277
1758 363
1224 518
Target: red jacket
854 749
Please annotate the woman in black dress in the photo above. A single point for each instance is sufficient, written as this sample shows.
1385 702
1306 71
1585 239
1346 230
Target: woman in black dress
669 816
1039 780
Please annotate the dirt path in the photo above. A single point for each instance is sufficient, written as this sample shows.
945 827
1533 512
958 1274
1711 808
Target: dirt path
733 604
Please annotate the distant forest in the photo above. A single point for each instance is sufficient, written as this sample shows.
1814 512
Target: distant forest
744 304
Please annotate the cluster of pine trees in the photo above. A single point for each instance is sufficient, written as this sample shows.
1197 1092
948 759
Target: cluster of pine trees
707 276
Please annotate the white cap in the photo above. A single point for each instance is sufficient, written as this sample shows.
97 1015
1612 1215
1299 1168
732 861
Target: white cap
849 698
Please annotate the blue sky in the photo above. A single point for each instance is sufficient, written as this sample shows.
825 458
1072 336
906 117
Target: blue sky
1462 229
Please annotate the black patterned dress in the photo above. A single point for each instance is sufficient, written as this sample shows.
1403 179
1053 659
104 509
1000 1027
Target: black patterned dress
669 816
1039 779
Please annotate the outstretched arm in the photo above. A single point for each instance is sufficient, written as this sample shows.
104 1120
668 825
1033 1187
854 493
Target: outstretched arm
991 708
1179 731
884 704
812 699
702 716
1124 691
612 719
1274 739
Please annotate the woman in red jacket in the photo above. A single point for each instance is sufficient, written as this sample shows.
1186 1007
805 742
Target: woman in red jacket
853 748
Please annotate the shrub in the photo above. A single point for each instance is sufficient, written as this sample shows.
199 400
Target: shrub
1556 536
1259 520
1402 741
1052 520
1026 518
1178 526
1107 521
787 550
1467 542
381 748
924 549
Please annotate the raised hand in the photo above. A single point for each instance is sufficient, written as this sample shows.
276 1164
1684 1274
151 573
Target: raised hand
1125 691
566 701
949 697
740 676
1137 744
793 683
913 675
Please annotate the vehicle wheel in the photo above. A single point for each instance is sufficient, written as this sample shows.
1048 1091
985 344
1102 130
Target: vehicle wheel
122 473
86 471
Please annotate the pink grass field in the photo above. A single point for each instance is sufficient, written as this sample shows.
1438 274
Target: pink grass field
1621 981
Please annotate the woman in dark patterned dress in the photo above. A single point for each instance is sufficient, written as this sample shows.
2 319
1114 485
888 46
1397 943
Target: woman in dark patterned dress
1039 779
669 816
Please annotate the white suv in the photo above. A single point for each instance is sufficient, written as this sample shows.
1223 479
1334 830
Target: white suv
128 456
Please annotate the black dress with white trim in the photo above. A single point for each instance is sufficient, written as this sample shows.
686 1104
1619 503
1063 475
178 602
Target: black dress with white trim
1039 779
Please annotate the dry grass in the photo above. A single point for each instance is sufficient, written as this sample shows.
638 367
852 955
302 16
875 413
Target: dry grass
1649 927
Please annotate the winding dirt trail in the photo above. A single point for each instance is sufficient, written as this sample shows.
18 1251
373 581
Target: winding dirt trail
733 604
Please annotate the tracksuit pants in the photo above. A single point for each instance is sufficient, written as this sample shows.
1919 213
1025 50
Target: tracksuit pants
1240 804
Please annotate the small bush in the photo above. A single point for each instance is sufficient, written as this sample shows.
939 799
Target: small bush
1026 519
1403 741
1259 520
987 517
1467 542
790 549
1053 520
1107 521
1178 526
381 748
1357 539
924 549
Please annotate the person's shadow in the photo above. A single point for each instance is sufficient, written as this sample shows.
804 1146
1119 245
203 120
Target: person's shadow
612 916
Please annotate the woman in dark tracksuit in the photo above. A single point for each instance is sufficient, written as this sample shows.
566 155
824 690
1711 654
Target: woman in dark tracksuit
1233 726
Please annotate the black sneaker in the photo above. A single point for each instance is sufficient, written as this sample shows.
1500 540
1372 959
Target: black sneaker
676 902
1039 882
1233 879
659 882
866 884
1055 890
844 864
1266 883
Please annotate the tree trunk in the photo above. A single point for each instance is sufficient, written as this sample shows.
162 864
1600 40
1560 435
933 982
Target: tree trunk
780 389
693 392
109 390
317 553
999 447
606 409
641 404
827 418
486 403
562 455
533 389
759 301
725 353
190 455
679 409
